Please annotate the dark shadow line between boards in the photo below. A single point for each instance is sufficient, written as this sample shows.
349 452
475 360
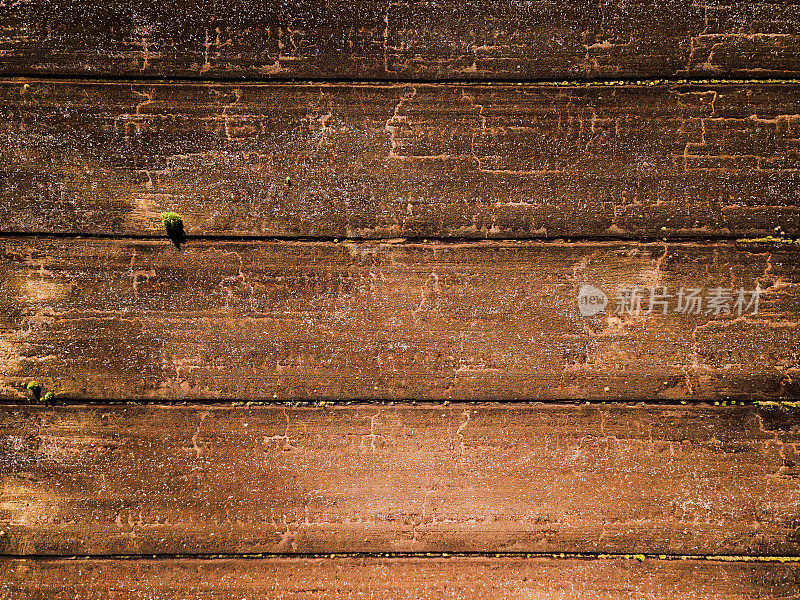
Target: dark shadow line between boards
322 403
77 78
393 241
640 557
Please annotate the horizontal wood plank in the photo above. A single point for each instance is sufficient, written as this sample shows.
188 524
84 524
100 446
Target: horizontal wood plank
369 39
431 579
156 479
122 319
383 161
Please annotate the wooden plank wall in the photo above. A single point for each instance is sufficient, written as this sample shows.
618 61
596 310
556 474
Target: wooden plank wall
366 373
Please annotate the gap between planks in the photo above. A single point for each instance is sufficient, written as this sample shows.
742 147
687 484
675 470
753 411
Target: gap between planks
452 239
587 556
577 82
232 402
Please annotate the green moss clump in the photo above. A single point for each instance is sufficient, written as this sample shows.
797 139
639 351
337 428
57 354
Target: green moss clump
35 388
170 219
639 557
781 403
173 223
48 398
770 239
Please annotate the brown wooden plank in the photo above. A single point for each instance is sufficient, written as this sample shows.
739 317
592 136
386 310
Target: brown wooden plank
456 39
121 319
101 480
382 161
430 579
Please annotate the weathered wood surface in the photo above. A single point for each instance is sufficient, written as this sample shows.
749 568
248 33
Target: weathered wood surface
425 579
382 161
455 39
121 319
99 480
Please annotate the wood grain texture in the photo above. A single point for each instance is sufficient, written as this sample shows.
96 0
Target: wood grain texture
121 319
383 161
105 480
432 579
367 39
